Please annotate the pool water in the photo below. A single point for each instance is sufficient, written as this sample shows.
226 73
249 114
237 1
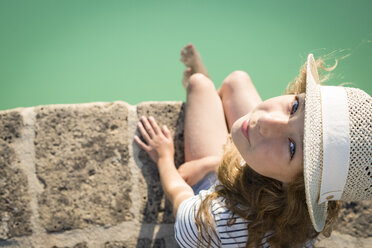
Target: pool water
54 52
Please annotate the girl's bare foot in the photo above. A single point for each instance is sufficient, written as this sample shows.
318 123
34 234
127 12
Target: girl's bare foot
192 60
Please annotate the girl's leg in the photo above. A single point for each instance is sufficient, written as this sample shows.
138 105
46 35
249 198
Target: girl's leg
238 95
205 130
205 126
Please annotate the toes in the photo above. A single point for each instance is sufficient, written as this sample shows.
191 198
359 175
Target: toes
190 52
185 53
183 59
187 49
187 71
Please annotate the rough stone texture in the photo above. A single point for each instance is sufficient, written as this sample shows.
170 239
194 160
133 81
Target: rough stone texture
355 219
341 240
353 228
16 244
81 159
155 207
97 190
78 245
138 243
14 198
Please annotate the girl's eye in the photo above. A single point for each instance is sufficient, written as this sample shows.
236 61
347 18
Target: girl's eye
294 106
292 148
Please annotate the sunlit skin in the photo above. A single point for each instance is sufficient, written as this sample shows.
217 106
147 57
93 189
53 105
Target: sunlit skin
210 114
275 132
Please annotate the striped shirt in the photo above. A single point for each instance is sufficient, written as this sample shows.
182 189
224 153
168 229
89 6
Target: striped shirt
186 231
235 235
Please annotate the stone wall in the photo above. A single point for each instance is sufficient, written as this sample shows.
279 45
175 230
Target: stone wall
71 176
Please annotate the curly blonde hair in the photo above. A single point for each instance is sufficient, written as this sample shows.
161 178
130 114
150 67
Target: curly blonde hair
264 202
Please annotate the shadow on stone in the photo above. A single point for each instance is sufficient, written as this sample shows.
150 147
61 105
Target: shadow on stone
156 208
140 243
15 210
7 243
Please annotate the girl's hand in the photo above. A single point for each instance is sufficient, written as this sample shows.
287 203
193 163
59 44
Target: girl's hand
159 141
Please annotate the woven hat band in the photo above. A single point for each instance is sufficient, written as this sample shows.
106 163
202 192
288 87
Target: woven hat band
336 142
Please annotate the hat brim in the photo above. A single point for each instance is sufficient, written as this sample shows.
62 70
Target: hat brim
313 150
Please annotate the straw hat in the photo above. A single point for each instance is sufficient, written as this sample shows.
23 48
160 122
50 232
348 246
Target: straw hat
337 145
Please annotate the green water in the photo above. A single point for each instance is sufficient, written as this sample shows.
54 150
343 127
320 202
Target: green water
54 52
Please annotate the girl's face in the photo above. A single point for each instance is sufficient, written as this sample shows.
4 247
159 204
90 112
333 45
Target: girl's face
270 137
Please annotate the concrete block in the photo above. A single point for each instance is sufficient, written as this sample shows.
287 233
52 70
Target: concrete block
138 243
11 124
76 167
15 209
355 219
341 240
81 156
78 245
155 208
16 244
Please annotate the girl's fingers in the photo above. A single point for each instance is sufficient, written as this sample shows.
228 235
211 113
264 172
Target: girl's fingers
140 143
147 126
166 131
143 132
154 125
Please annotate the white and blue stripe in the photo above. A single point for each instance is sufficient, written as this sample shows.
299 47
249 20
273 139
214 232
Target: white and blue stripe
186 232
236 235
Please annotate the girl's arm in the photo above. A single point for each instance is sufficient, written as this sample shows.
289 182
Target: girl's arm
159 145
195 170
173 184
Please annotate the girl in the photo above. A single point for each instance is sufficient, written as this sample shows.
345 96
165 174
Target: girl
281 165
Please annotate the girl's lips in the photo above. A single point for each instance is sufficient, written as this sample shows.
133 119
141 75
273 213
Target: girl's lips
245 129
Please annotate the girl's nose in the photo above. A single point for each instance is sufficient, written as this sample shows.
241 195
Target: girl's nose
272 125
